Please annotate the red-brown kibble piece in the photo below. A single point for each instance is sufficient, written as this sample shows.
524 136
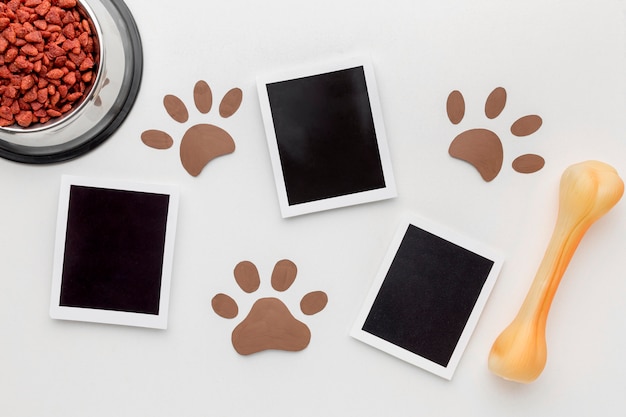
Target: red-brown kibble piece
34 37
4 22
6 113
54 16
86 26
39 68
30 96
72 45
68 31
83 38
68 18
77 58
27 83
91 46
55 51
15 107
11 92
24 118
24 106
4 44
23 63
29 50
63 90
43 8
60 61
13 5
11 54
42 95
70 78
86 64
22 15
40 24
55 98
9 35
66 4
54 74
74 96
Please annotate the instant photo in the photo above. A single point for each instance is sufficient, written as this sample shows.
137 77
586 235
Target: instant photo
114 252
326 137
428 296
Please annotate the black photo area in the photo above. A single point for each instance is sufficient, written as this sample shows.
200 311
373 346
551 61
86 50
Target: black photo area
428 295
326 136
114 250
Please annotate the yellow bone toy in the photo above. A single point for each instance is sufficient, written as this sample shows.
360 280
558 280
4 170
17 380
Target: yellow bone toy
588 190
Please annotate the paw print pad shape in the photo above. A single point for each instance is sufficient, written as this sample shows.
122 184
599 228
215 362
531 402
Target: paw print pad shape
269 324
483 148
203 142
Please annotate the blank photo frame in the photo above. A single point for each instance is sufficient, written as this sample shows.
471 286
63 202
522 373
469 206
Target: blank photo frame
113 252
326 137
427 296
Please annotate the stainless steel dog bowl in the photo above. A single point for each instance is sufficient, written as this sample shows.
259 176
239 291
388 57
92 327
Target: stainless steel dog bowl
105 106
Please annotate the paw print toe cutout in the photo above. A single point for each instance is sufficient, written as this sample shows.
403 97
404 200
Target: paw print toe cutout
202 97
247 276
483 148
313 302
526 125
495 103
529 163
201 143
283 275
269 324
225 306
456 107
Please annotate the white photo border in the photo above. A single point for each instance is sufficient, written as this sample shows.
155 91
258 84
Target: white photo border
386 192
451 236
157 321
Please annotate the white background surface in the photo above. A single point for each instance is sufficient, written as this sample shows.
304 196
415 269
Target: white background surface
563 60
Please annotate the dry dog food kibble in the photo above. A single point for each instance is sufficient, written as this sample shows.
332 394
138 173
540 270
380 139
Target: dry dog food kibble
48 56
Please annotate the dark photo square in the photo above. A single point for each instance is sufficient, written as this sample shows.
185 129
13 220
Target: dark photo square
114 250
326 136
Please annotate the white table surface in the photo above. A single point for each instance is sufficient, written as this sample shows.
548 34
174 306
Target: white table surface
565 61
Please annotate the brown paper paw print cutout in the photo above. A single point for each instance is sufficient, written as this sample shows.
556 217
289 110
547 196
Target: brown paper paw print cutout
483 148
201 143
269 324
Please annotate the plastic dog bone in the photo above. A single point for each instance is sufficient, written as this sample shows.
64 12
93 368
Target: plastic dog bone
588 190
